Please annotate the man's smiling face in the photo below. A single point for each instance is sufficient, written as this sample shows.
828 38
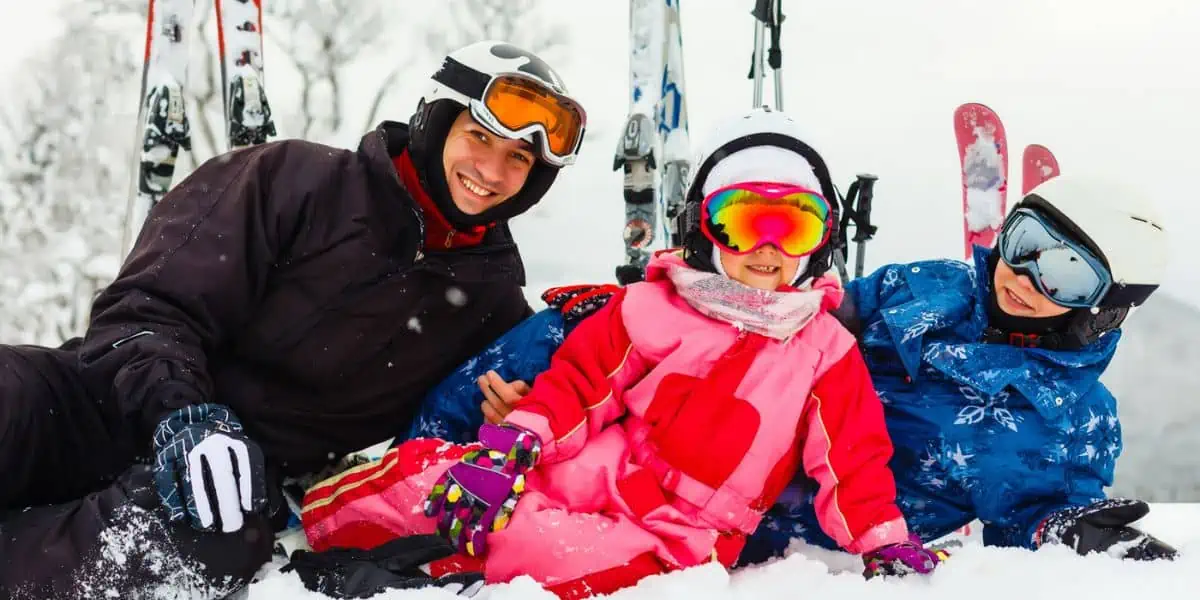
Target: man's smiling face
482 168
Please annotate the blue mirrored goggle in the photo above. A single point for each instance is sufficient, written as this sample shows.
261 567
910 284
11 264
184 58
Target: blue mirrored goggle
1063 270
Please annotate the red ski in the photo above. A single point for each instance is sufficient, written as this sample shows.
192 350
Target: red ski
983 155
1037 165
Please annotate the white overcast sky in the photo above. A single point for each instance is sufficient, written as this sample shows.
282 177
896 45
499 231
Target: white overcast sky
1112 87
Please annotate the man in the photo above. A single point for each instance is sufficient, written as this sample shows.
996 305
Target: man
284 305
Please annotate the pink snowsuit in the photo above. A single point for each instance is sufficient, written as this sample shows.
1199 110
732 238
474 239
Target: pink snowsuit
666 434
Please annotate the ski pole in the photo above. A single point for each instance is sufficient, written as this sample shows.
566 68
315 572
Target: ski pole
761 13
839 260
842 249
775 55
863 229
768 14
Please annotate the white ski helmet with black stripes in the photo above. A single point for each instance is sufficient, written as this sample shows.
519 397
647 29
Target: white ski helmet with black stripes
460 84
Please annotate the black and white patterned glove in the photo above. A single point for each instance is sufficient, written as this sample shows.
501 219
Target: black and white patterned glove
206 470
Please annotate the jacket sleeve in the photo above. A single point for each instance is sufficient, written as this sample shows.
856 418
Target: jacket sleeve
581 391
866 296
846 450
1015 518
199 266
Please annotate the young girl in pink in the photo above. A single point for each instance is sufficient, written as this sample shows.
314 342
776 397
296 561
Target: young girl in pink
671 419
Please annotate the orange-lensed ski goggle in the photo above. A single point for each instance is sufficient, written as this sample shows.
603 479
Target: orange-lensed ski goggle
744 217
514 106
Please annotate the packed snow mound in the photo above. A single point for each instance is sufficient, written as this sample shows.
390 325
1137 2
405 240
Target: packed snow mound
973 571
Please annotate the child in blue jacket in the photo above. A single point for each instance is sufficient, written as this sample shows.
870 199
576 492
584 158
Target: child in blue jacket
989 374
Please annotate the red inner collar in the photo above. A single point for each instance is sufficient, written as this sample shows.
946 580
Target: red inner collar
439 233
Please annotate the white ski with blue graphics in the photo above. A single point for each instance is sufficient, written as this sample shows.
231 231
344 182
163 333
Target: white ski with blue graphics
654 150
673 123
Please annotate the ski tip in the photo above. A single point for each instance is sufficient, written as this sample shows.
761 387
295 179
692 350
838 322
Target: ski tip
968 115
1038 149
973 107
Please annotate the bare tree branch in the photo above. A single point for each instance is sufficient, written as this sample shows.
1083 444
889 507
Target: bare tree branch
380 93
322 38
513 21
62 186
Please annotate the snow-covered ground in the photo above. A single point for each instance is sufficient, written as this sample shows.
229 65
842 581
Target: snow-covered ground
973 572
882 104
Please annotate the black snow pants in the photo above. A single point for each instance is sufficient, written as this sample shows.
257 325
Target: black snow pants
79 515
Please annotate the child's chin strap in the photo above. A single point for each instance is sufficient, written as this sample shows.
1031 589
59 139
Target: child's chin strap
1085 327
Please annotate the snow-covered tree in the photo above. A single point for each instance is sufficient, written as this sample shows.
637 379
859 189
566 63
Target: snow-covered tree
352 55
68 127
63 181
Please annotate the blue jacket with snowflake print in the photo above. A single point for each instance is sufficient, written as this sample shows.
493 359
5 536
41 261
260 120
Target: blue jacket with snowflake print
989 431
451 410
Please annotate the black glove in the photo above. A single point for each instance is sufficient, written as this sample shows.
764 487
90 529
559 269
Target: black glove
1100 526
206 470
627 274
578 302
351 573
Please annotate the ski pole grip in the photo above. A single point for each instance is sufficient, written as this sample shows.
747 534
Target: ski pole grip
866 192
762 10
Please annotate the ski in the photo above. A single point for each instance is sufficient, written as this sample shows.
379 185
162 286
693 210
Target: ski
637 148
654 152
240 45
983 157
1038 165
673 125
162 125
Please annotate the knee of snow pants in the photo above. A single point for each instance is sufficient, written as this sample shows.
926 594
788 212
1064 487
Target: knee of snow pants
57 442
117 543
792 517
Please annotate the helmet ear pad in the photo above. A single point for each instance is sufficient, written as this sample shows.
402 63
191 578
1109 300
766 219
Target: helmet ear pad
698 249
428 129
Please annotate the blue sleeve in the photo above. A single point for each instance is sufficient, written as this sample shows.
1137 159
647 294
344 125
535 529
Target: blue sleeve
451 410
870 293
1092 443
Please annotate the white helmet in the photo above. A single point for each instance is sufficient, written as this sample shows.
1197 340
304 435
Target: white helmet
761 145
1122 227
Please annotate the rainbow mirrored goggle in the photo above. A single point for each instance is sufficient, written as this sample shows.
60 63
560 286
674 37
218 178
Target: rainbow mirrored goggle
744 217
514 106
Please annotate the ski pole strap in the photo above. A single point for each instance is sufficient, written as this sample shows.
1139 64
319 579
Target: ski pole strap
769 14
775 54
848 210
